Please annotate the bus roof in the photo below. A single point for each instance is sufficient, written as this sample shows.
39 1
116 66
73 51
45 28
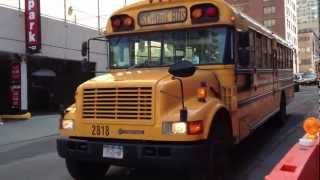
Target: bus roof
242 21
135 9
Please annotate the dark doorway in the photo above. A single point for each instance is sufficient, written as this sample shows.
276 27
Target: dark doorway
4 84
52 82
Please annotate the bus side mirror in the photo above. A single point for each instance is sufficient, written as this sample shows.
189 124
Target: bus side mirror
84 49
182 69
244 57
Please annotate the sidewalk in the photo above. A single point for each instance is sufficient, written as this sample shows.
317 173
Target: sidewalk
39 126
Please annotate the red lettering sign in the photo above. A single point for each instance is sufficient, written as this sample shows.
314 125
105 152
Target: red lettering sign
15 72
15 97
33 26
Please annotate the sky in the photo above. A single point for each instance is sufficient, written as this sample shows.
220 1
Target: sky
85 11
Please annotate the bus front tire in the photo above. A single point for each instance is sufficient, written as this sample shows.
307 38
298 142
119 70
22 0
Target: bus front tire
81 170
219 148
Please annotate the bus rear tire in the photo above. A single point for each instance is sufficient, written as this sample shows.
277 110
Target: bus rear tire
281 116
81 170
219 147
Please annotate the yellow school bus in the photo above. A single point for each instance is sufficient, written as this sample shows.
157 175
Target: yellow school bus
186 81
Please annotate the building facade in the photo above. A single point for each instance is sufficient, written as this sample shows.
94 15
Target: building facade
44 81
280 16
308 51
308 15
309 31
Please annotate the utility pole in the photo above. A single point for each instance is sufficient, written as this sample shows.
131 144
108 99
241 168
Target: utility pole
99 25
65 11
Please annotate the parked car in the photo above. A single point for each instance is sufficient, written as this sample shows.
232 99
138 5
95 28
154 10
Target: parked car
309 78
297 79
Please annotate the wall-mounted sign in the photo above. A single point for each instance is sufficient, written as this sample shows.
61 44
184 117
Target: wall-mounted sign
33 26
15 92
15 72
15 85
163 16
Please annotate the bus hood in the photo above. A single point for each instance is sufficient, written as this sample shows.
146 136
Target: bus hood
121 97
141 75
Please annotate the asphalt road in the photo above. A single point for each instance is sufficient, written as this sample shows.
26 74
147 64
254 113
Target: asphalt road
25 156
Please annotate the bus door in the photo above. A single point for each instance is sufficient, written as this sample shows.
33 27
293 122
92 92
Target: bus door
245 80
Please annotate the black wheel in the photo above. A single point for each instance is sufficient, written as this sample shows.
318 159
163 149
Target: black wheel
218 166
281 116
296 87
86 170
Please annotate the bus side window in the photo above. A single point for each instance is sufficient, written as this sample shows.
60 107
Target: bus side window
281 59
265 52
252 49
244 49
258 54
269 51
291 59
278 57
287 58
263 49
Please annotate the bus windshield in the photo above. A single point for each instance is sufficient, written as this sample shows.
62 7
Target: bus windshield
200 46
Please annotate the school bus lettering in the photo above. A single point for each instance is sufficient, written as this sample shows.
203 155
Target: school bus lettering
163 16
124 131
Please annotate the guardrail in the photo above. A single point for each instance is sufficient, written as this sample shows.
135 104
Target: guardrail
302 162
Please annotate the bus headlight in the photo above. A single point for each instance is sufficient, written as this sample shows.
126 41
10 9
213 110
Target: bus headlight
182 128
172 128
179 128
67 124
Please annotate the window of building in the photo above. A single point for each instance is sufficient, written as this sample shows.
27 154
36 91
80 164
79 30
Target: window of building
269 10
269 22
305 62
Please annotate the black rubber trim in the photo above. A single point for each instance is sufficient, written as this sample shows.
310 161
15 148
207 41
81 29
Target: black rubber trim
136 153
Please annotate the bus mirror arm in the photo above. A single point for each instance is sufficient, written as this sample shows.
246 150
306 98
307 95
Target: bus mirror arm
180 70
183 111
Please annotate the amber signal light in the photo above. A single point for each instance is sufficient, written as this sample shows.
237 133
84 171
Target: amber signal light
128 21
122 23
202 92
197 13
204 13
195 127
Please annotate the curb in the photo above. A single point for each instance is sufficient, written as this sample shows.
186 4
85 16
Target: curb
25 116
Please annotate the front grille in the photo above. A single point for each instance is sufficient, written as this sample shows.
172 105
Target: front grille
134 103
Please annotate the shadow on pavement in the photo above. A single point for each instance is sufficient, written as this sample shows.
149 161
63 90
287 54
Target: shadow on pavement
262 141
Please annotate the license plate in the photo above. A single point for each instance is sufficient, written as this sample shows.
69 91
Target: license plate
112 151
